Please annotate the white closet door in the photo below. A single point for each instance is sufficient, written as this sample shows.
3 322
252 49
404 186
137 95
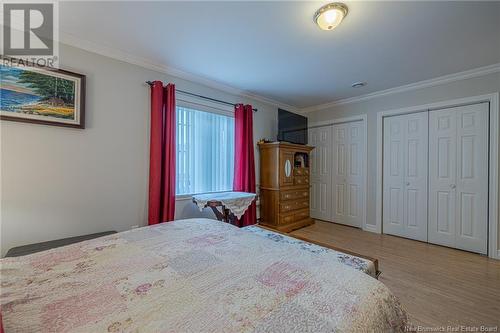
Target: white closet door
416 175
393 176
405 175
458 198
321 172
339 173
348 178
355 177
442 176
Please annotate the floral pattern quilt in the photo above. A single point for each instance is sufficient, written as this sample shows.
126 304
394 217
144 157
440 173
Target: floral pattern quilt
361 264
195 275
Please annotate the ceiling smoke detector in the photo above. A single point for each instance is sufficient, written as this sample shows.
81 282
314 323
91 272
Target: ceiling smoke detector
358 84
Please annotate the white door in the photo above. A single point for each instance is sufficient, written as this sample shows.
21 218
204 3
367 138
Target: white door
348 176
405 166
321 161
458 177
393 176
442 176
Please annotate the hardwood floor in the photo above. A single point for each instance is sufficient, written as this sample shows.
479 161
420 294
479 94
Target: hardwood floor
437 285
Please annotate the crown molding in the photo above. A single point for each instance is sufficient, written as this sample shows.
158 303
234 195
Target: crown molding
117 54
476 72
89 46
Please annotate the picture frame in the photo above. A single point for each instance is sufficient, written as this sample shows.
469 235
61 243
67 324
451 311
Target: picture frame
41 95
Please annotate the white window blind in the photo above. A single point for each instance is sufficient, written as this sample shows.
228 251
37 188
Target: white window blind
205 152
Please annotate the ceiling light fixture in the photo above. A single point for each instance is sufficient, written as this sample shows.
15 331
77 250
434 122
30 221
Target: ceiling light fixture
329 16
358 84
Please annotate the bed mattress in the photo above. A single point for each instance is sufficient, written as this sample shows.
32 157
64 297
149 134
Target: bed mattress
358 263
194 275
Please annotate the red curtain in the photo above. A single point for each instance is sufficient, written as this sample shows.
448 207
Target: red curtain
162 154
244 163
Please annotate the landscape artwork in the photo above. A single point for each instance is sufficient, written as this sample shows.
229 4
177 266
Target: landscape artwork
41 95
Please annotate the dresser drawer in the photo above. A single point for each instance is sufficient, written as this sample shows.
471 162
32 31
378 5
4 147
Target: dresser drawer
301 215
295 194
287 219
301 180
294 217
289 206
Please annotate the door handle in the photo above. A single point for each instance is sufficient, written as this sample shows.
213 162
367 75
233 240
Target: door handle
453 186
407 183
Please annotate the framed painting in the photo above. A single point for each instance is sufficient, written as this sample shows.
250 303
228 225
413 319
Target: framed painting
41 95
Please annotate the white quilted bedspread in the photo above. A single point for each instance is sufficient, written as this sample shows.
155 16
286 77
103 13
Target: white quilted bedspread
195 275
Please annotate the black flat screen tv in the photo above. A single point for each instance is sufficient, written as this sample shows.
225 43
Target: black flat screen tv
292 127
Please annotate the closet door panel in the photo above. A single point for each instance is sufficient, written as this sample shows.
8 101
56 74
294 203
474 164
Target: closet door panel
472 178
405 175
442 177
393 176
458 193
313 166
355 179
340 173
321 172
416 166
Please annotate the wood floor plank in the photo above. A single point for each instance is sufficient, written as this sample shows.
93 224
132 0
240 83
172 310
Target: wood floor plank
437 285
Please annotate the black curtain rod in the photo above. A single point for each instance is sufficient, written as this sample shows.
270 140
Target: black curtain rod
201 96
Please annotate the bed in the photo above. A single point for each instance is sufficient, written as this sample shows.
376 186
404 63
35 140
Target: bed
195 275
363 264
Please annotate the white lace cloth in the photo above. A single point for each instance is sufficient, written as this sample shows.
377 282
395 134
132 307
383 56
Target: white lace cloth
236 202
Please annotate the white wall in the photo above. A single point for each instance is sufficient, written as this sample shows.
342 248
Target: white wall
58 182
459 89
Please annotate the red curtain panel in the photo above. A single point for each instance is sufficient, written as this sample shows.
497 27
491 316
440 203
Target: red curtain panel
244 162
162 154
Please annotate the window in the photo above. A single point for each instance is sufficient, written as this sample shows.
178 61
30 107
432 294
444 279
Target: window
205 151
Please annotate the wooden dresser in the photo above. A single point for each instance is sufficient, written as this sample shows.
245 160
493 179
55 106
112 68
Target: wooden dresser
284 186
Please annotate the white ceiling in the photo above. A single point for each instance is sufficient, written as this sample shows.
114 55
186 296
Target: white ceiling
273 49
